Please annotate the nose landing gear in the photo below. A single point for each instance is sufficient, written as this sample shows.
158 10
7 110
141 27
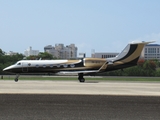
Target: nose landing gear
16 78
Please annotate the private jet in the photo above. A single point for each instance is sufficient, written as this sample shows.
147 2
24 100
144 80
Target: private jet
85 66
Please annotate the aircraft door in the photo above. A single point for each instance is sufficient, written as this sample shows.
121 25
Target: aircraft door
24 67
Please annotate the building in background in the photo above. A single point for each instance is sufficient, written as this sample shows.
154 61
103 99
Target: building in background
29 52
82 55
62 52
104 55
151 51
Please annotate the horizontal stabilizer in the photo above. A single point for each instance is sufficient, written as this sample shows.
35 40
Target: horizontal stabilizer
143 42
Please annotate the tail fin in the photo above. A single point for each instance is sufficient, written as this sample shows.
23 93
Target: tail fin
131 53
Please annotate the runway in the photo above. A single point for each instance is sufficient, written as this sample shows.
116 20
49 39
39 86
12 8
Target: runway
74 87
71 100
78 107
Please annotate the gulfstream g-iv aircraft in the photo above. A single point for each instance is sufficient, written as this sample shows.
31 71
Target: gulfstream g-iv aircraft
127 58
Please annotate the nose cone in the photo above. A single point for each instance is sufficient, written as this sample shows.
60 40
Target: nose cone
8 69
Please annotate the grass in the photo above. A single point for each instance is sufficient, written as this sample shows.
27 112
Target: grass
105 78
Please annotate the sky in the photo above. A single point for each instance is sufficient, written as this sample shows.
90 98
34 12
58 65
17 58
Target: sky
99 25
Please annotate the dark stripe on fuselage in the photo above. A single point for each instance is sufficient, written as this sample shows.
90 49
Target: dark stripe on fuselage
49 70
133 47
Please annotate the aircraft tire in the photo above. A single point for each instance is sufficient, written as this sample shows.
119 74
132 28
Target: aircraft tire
82 80
16 80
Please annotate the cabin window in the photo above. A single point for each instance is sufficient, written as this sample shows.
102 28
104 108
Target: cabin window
51 66
44 66
65 65
37 66
18 63
72 65
29 64
58 65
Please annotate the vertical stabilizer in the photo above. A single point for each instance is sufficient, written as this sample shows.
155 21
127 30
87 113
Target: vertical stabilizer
131 53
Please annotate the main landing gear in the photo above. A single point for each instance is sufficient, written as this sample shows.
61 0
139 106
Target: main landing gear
80 78
16 78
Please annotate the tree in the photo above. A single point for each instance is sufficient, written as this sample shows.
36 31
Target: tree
32 57
140 62
1 52
41 55
6 60
143 68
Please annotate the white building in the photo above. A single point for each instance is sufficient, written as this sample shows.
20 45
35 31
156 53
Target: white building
151 51
61 51
104 55
29 52
82 55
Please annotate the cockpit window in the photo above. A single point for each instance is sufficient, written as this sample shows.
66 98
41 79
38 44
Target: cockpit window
18 63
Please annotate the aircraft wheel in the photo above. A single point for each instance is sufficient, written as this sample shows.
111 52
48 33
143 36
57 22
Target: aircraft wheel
82 80
80 77
16 80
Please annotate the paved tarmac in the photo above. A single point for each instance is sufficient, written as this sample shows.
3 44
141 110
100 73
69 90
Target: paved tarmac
74 87
71 100
78 107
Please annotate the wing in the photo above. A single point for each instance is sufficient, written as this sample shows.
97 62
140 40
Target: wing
102 68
